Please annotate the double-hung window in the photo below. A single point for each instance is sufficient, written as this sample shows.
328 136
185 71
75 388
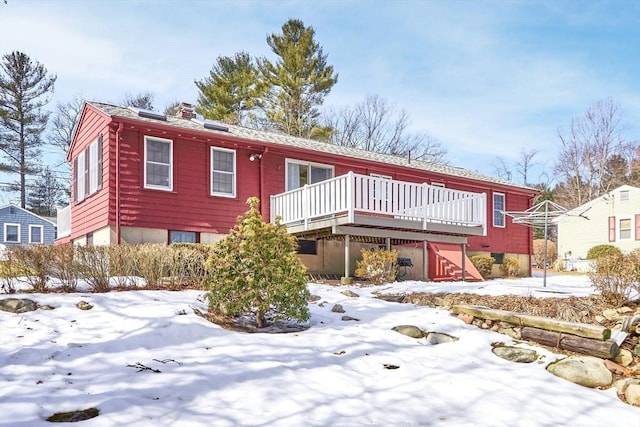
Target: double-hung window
87 171
12 233
35 233
223 172
498 210
158 163
300 173
624 228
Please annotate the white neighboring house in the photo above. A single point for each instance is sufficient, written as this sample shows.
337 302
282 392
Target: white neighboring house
613 218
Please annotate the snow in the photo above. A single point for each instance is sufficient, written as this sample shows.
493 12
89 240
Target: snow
331 374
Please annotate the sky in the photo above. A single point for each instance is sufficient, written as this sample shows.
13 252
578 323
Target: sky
484 78
331 374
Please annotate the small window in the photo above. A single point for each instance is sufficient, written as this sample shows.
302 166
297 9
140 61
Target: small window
89 239
307 247
498 209
223 172
158 163
35 234
624 195
498 258
182 236
12 233
625 228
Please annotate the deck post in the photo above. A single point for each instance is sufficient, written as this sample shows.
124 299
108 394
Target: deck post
388 243
425 261
346 255
464 261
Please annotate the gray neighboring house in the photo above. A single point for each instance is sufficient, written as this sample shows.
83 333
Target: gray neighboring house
20 227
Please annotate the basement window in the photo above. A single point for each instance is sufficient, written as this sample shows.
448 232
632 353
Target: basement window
307 247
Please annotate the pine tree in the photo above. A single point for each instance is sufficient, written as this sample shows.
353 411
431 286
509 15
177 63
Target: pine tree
46 194
24 90
254 269
232 90
299 80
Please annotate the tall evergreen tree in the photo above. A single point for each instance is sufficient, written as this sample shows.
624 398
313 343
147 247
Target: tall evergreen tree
298 80
232 90
25 88
46 194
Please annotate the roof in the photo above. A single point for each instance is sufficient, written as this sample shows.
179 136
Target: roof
29 212
307 144
604 197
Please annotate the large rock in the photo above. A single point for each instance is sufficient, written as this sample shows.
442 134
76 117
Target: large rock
350 294
337 309
624 358
409 330
74 416
587 371
516 354
435 338
629 390
18 305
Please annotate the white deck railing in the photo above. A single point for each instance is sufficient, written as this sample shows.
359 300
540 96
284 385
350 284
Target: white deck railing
353 193
64 221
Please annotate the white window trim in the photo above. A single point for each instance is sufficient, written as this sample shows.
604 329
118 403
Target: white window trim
234 173
304 163
493 209
627 195
93 167
81 192
31 227
153 186
8 224
619 228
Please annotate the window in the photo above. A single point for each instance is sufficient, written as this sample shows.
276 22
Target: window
300 174
307 247
35 234
498 257
223 172
12 233
498 209
624 195
87 171
624 227
158 161
182 237
89 239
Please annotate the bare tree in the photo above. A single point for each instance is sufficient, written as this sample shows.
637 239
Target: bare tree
374 125
501 168
64 122
141 100
525 163
585 152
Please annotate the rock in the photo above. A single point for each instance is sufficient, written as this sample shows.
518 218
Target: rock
346 280
409 330
435 338
391 297
611 314
511 332
347 318
337 309
624 358
466 318
632 394
484 325
349 293
516 354
600 319
74 416
587 371
83 305
614 367
18 305
625 310
636 350
46 307
495 328
313 298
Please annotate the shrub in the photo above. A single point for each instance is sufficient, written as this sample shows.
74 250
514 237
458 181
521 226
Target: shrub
254 269
616 276
153 262
188 267
484 264
34 262
122 264
64 267
94 266
602 250
538 252
510 267
378 265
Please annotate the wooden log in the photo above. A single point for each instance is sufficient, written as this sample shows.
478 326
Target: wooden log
579 329
607 349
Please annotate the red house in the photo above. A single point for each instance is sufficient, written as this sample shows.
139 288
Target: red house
139 176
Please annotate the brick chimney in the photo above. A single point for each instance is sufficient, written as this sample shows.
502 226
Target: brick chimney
185 111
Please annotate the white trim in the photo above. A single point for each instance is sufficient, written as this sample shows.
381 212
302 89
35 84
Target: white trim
381 192
438 184
31 227
81 192
170 177
493 209
619 228
93 167
287 161
5 232
232 173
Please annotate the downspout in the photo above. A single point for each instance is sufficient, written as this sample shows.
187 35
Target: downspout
120 127
263 206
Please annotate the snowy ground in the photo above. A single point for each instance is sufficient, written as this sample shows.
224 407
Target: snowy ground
329 375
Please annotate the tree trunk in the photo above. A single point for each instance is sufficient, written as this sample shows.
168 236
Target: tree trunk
260 319
580 329
604 349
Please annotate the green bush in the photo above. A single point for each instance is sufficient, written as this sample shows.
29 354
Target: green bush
602 250
484 264
510 267
616 276
377 265
254 269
